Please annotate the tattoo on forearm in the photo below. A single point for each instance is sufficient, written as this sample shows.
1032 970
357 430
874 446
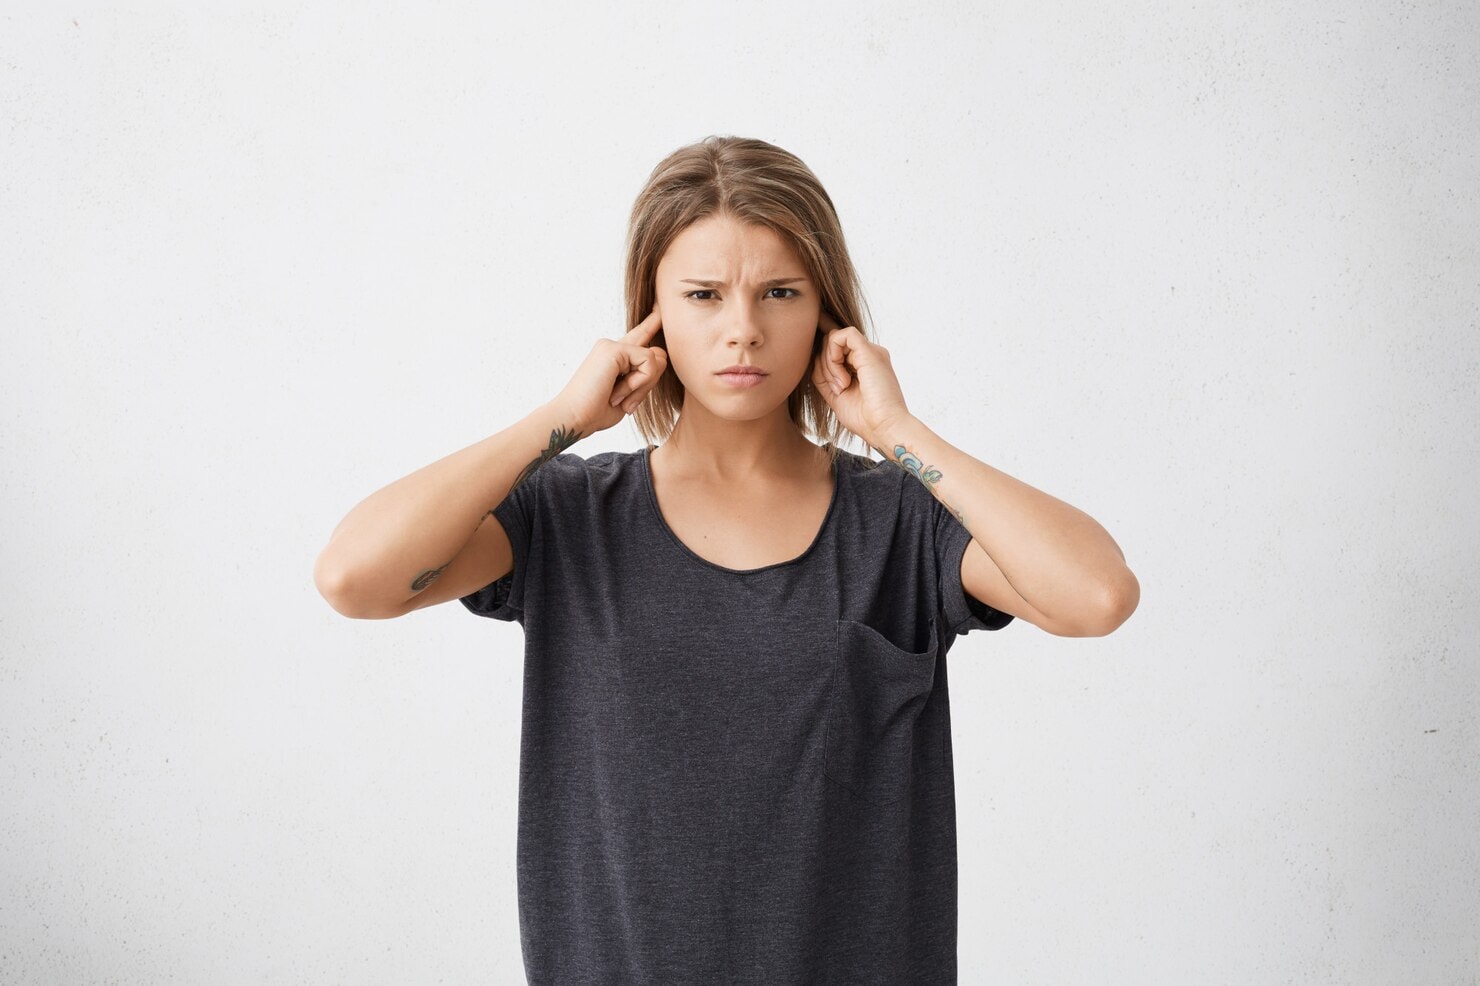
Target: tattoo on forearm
561 439
426 578
911 464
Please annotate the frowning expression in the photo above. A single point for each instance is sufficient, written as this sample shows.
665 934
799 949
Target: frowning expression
732 293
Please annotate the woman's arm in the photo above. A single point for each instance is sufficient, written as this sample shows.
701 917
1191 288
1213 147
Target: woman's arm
1031 554
396 542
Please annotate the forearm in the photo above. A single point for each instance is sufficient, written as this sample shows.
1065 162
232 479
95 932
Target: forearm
398 539
1054 555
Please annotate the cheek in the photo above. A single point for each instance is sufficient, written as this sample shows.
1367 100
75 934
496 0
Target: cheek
676 342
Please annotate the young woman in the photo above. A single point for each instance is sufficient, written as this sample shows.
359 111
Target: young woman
736 760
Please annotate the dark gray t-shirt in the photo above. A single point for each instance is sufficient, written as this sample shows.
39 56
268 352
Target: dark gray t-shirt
734 777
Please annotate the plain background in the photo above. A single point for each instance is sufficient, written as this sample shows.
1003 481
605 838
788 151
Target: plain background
1209 274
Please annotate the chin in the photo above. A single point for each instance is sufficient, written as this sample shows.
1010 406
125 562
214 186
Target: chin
733 406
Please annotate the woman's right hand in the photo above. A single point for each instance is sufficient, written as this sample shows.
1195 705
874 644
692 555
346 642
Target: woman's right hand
621 370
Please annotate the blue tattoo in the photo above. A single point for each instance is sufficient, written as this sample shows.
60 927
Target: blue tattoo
917 468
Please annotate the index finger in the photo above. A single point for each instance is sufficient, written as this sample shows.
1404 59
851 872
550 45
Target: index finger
643 332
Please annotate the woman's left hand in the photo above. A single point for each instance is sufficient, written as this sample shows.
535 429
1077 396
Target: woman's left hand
857 380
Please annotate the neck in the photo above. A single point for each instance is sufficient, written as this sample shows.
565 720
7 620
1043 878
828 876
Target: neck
705 446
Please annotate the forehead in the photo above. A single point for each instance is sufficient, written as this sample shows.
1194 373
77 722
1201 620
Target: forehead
722 247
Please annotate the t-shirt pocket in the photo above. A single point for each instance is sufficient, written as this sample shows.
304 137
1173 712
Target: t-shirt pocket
878 692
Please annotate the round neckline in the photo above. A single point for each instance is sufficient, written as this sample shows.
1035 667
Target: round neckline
832 507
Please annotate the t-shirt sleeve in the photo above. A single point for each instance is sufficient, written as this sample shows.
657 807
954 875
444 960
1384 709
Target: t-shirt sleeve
963 613
503 599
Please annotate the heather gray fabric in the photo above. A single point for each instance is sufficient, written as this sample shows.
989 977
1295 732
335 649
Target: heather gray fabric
734 777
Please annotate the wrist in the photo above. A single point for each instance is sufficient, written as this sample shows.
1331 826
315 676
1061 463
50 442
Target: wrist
896 431
559 426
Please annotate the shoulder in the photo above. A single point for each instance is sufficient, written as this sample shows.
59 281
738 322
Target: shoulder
892 495
874 478
888 499
569 470
863 467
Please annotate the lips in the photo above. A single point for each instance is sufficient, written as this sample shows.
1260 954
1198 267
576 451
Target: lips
757 371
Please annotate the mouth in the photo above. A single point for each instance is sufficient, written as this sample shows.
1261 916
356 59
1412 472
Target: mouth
742 376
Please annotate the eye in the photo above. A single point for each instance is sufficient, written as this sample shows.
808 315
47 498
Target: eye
691 294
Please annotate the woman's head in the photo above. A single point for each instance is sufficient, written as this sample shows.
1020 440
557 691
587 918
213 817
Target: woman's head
742 212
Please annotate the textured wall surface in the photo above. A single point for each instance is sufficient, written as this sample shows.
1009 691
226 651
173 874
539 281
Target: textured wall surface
1208 273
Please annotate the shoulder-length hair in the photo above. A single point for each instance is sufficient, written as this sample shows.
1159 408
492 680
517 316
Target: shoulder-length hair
753 182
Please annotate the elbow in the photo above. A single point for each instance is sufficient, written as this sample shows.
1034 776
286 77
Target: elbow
340 590
1118 602
1115 604
333 586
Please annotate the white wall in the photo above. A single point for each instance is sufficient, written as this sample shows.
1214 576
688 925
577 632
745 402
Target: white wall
1208 274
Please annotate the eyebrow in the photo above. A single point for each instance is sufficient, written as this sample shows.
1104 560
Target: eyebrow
720 284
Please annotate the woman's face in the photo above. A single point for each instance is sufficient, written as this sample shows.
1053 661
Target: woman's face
730 292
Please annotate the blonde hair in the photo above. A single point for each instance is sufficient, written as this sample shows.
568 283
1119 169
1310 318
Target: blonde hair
750 181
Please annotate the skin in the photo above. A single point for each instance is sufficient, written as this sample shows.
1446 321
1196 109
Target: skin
737 437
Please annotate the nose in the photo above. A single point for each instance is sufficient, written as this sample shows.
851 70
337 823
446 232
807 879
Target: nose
744 328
